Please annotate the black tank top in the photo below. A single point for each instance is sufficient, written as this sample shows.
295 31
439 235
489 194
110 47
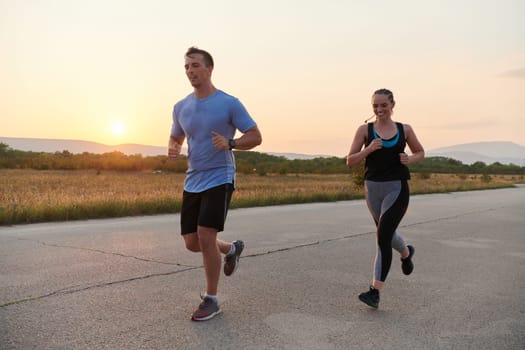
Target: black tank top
384 164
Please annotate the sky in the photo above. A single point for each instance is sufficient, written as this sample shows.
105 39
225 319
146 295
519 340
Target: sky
110 71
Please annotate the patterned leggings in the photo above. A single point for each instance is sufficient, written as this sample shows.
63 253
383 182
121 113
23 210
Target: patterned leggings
387 202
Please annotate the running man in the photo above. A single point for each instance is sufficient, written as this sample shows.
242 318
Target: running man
208 118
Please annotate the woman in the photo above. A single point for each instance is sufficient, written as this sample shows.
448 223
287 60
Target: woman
386 184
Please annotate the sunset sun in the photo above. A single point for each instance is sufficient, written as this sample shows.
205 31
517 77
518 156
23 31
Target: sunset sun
118 128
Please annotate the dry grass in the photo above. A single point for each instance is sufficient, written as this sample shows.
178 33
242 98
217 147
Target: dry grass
28 196
439 183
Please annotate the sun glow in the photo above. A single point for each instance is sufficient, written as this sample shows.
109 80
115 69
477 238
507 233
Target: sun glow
118 128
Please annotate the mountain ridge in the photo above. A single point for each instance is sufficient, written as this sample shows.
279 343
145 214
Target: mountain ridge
79 146
504 152
488 152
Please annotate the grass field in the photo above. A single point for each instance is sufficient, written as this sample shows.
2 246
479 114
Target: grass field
29 196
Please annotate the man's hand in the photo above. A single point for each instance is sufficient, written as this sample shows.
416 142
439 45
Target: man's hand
219 141
173 149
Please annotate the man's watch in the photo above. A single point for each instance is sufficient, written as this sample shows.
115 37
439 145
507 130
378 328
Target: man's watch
232 144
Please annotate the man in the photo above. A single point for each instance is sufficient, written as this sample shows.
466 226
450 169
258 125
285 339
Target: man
209 118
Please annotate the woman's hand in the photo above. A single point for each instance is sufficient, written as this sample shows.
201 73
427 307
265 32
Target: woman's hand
375 145
404 158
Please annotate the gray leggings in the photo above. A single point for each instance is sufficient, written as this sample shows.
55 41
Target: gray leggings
387 202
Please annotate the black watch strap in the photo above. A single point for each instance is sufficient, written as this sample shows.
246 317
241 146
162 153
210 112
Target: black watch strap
232 144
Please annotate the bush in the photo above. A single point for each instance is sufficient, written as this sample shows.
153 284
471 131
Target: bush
425 175
358 174
486 178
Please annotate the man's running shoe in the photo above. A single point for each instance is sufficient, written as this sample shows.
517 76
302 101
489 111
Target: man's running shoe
231 262
208 309
406 263
370 298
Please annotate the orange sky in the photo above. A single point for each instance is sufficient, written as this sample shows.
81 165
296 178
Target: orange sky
74 69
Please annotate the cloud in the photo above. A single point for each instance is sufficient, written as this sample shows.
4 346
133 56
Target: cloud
515 73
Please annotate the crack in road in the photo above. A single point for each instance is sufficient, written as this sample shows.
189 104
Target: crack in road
104 252
78 288
75 289
322 241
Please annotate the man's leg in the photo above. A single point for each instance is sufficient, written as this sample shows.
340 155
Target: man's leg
191 240
224 247
192 244
211 257
211 216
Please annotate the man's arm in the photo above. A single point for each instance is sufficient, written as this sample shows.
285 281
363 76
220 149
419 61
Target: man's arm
174 146
250 139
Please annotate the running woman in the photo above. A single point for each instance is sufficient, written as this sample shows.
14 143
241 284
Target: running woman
382 145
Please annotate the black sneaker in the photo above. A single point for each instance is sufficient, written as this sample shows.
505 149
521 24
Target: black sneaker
370 298
207 310
406 263
231 262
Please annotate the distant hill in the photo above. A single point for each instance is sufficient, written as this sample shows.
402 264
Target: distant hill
292 156
76 146
487 152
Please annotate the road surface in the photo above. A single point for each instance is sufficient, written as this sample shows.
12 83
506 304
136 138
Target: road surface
129 283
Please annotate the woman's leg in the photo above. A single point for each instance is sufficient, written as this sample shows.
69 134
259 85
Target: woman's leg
393 209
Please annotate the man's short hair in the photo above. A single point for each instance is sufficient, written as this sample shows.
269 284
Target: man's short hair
208 60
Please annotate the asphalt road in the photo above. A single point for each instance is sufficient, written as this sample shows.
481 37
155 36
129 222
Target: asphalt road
130 284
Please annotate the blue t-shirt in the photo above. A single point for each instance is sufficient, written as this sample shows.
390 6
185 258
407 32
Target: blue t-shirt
196 118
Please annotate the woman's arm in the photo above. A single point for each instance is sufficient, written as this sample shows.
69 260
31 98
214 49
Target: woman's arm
357 154
418 153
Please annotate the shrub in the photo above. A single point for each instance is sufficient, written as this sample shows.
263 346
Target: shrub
486 178
425 175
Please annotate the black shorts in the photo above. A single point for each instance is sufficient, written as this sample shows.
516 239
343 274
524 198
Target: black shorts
207 208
